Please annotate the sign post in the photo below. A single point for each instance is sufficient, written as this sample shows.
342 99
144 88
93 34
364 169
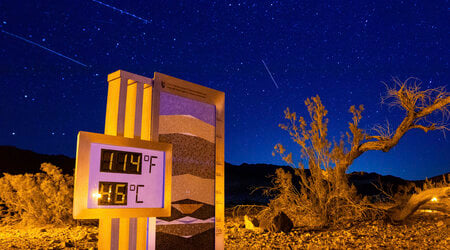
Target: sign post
189 120
192 118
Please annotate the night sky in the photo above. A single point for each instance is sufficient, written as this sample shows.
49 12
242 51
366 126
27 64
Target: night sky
55 57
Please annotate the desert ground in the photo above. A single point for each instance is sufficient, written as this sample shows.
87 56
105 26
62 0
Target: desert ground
424 230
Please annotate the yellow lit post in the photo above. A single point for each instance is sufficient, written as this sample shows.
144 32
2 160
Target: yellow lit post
128 114
133 111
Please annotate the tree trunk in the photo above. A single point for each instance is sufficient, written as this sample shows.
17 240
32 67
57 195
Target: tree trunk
401 212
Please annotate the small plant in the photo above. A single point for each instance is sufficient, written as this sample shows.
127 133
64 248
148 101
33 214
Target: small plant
37 199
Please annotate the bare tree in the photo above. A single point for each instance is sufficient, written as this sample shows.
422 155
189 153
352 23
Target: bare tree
418 106
327 162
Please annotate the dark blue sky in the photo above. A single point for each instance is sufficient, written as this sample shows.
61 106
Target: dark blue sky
341 50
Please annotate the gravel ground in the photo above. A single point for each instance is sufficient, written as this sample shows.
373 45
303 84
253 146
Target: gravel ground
80 237
421 231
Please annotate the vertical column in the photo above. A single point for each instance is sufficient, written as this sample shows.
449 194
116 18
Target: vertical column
128 114
151 233
104 234
133 111
132 233
115 233
146 112
114 125
151 101
139 103
220 173
156 92
124 229
130 110
143 224
115 106
141 234
132 129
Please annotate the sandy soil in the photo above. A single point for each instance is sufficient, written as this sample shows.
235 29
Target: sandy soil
422 231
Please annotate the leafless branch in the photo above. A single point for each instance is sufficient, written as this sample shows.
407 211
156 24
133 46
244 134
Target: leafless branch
418 104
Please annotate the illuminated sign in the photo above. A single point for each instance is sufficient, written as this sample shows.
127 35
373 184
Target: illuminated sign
192 118
121 177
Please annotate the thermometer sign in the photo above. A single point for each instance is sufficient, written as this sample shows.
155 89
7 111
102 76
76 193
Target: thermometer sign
116 174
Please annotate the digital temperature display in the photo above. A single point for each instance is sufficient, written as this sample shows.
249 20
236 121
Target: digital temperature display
116 173
112 193
115 161
125 176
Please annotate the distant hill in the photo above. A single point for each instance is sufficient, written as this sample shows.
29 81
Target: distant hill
240 180
19 161
243 184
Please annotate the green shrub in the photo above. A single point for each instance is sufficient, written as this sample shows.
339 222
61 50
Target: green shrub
37 199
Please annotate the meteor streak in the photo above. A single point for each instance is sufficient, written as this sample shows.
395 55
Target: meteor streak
270 74
122 11
42 47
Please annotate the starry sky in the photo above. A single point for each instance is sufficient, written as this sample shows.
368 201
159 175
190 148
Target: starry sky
265 55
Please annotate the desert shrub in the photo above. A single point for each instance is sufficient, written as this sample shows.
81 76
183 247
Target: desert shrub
429 184
242 210
321 207
323 197
36 199
287 199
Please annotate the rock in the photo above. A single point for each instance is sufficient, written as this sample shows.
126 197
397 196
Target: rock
281 223
43 230
250 223
65 244
440 223
81 236
92 236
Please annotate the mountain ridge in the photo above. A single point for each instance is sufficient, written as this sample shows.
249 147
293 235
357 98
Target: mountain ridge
242 182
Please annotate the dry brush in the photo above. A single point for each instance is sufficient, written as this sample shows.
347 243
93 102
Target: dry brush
325 194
